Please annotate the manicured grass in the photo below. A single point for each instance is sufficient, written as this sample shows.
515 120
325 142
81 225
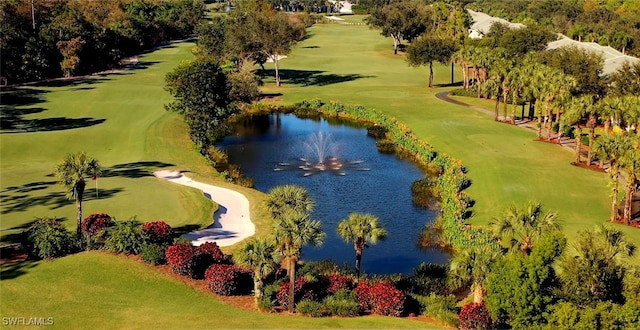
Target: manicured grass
355 65
134 136
103 291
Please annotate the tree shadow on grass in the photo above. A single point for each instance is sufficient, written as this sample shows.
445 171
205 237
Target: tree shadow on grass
134 170
13 201
15 106
179 231
9 271
311 77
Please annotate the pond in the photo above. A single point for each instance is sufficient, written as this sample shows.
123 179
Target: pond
283 149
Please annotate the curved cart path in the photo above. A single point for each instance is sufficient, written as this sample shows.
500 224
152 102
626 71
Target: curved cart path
232 222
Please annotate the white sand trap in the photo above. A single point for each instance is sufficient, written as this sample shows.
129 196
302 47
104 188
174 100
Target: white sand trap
232 222
334 18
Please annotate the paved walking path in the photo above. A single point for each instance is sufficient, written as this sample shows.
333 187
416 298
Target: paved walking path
232 222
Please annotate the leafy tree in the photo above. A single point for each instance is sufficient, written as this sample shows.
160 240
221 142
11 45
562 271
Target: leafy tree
520 287
521 227
277 33
626 80
282 199
291 231
426 50
576 110
585 66
72 172
593 273
630 164
201 90
361 229
612 148
260 255
400 20
473 265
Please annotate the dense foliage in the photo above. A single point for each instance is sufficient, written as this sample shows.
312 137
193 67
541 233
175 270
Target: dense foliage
228 279
47 238
125 237
47 39
204 256
474 316
180 258
96 222
158 232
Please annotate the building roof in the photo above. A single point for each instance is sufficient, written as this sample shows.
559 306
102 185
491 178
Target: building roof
482 22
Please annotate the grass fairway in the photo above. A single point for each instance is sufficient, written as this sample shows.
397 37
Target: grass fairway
119 119
102 291
352 64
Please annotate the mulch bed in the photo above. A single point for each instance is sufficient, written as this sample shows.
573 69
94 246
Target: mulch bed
589 167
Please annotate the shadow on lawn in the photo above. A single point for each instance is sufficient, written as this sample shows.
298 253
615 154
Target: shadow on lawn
14 201
134 170
15 106
311 77
9 271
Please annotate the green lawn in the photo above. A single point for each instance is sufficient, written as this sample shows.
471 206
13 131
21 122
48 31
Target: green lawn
119 119
352 64
103 291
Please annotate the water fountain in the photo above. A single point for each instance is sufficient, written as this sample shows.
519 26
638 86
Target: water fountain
324 151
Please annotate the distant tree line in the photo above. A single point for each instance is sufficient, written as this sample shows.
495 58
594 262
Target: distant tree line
51 38
609 23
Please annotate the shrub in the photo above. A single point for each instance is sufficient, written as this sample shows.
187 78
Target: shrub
474 316
385 299
204 256
339 282
363 294
302 290
158 232
180 258
47 238
125 237
228 279
440 307
343 303
377 132
95 223
153 253
311 308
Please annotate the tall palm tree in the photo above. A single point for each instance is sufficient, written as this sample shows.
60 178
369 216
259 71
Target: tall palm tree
291 231
260 255
630 164
612 148
72 172
474 265
522 226
575 111
361 229
282 199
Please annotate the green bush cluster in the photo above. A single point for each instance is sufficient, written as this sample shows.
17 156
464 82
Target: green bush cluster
125 237
48 238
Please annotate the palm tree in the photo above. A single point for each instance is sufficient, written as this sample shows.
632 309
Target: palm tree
361 229
72 172
292 230
474 265
260 255
612 148
630 164
288 197
575 110
522 226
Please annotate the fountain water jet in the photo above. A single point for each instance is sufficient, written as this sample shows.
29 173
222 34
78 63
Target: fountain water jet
323 149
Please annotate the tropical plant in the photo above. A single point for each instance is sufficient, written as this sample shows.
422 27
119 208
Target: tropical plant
72 172
361 229
260 255
630 164
576 110
282 199
521 226
426 50
473 266
612 148
291 231
47 238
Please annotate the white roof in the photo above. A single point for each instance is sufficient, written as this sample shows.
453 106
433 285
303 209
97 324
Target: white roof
613 59
482 22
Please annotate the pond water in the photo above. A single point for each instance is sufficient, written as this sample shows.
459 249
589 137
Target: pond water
272 148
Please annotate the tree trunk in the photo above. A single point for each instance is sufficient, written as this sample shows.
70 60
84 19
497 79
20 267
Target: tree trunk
592 137
430 74
478 293
396 43
276 65
578 141
358 260
78 193
497 106
292 282
505 97
631 183
257 288
614 190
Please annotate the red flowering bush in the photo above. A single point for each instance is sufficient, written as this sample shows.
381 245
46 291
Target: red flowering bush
180 258
339 282
206 255
381 298
96 222
301 290
158 232
228 279
474 316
